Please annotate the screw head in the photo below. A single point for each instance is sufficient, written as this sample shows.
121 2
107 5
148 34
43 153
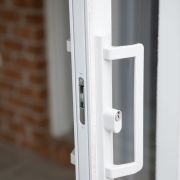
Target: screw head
118 116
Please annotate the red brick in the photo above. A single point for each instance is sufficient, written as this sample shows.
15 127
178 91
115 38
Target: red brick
7 137
9 15
39 108
36 94
3 29
18 102
11 73
34 121
13 69
13 46
40 136
36 50
34 19
30 64
29 3
31 34
57 146
6 111
38 79
5 85
41 148
44 150
5 58
2 1
17 128
28 145
61 153
31 145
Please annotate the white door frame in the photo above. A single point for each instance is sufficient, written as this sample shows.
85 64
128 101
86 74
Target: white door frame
168 92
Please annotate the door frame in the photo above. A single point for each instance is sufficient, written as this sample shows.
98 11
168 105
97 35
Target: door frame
168 92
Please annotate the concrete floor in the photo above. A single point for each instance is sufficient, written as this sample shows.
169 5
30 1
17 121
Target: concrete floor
19 164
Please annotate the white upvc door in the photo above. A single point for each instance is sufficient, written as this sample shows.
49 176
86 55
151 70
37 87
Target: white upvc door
95 119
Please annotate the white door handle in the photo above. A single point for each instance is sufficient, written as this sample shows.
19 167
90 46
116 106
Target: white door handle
115 53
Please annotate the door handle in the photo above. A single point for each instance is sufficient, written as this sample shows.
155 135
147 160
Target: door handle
113 118
115 53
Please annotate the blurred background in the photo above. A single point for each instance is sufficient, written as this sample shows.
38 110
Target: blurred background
30 146
36 113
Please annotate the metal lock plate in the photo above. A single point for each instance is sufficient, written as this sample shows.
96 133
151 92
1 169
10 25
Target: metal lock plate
81 101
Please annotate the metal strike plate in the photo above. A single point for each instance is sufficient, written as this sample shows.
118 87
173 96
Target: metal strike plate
81 101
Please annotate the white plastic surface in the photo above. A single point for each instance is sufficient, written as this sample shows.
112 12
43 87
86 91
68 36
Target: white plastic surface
168 92
79 60
136 51
104 102
68 45
73 161
110 122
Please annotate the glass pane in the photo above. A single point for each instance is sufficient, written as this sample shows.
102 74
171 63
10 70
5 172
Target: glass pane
135 22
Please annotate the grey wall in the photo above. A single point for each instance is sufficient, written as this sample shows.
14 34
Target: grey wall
59 67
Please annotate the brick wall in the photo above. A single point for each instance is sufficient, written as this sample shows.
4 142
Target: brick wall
24 118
